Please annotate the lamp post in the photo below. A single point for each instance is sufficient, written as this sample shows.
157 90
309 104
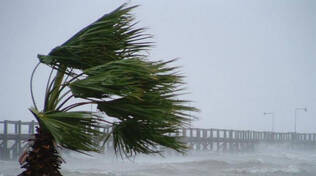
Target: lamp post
272 116
295 113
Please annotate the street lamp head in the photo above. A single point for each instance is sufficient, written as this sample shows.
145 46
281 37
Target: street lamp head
304 109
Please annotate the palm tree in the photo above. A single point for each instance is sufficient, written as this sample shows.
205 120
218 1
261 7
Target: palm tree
105 65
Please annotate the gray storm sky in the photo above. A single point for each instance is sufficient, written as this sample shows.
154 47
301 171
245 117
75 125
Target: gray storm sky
241 57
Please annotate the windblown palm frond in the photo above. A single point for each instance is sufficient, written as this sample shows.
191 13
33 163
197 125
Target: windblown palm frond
72 130
104 64
110 38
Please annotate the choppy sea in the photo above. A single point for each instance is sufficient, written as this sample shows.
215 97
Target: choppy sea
267 162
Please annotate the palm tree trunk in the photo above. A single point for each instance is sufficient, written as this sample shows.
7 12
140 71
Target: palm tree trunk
43 159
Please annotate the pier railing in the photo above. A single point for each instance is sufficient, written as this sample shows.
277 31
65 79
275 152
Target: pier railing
14 136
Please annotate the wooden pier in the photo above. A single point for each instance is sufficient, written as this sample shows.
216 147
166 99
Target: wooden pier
14 135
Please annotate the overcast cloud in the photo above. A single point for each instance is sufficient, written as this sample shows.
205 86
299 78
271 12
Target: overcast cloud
241 57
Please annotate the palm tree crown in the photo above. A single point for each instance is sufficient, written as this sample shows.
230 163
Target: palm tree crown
105 64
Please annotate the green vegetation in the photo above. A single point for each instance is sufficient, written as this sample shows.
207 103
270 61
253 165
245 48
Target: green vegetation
105 65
